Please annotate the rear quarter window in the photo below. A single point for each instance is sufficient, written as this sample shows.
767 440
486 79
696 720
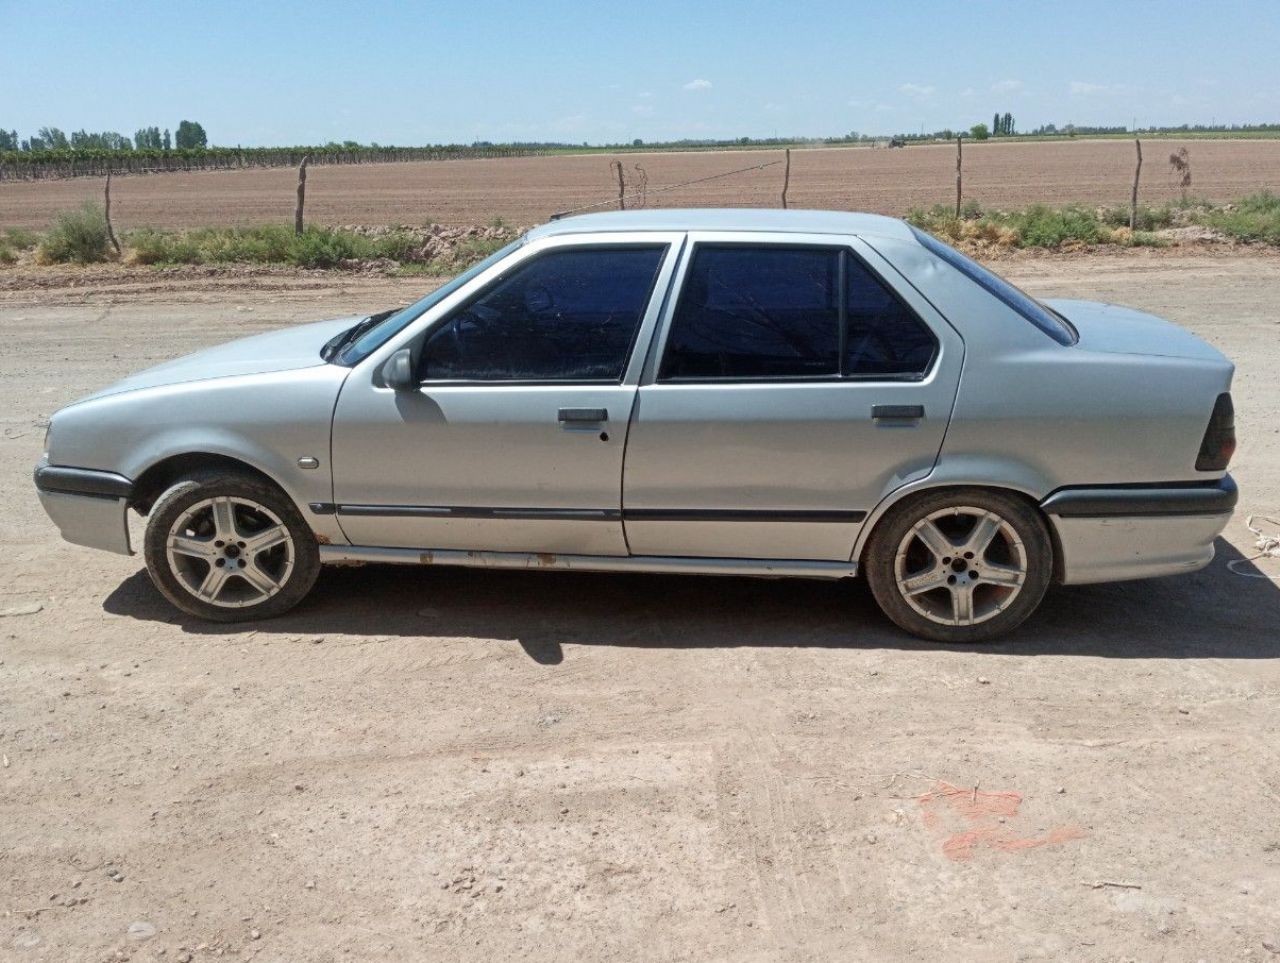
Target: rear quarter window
1047 321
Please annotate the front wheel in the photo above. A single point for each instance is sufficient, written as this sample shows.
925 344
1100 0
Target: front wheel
962 565
229 548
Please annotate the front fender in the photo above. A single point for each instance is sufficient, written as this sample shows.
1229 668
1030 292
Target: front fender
267 421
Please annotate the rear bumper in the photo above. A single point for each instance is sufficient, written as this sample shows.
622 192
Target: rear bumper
87 506
1129 532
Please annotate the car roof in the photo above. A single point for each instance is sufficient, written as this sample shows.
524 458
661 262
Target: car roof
727 219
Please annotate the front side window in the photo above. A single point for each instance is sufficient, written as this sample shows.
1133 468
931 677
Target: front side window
567 315
378 335
790 312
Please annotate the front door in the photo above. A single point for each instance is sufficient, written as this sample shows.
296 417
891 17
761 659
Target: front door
793 388
513 440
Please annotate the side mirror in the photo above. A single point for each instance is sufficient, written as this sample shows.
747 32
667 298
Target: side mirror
398 370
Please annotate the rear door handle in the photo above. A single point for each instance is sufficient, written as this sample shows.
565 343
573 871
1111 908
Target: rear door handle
897 412
583 414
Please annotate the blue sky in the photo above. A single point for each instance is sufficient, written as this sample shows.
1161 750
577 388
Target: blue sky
263 73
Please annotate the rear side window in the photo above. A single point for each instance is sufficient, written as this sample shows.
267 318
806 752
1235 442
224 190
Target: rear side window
751 312
568 315
883 336
1027 306
785 312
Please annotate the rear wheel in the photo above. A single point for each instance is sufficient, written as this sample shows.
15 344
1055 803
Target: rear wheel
230 547
962 565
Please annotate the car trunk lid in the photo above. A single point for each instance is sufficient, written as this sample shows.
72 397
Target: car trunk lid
1115 329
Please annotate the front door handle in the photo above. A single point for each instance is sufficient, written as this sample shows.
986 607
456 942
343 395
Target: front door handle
897 412
583 414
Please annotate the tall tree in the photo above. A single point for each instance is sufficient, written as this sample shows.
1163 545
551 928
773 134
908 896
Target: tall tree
147 138
995 125
191 134
8 140
167 143
50 139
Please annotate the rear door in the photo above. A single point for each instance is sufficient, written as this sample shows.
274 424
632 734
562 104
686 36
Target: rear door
794 382
513 439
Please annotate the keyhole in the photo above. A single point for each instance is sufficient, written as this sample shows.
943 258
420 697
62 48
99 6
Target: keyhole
604 436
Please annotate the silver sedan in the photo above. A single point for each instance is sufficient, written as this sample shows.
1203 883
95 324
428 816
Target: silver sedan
721 392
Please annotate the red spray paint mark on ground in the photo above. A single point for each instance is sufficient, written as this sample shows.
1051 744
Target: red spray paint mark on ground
947 807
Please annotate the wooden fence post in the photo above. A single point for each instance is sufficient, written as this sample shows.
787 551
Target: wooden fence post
958 176
622 186
106 204
302 194
786 179
1133 202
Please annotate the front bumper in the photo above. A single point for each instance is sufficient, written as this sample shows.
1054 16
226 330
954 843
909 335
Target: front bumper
87 506
1110 534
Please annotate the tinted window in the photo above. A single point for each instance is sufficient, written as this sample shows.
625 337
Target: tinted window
750 312
377 336
568 315
1028 307
884 336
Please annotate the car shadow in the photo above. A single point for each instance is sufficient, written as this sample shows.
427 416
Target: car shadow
1214 613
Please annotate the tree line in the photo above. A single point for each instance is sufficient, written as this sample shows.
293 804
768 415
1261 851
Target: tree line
191 135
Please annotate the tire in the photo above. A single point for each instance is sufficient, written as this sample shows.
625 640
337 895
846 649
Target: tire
265 570
960 565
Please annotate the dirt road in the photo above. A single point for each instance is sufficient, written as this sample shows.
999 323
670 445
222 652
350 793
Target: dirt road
492 766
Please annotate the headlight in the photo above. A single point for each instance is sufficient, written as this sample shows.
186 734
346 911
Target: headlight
47 429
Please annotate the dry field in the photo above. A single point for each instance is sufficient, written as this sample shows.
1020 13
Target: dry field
467 765
528 190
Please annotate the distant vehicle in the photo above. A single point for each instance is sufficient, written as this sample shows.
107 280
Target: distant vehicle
734 392
897 142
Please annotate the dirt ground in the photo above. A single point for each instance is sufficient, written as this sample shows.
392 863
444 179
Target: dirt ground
528 190
444 765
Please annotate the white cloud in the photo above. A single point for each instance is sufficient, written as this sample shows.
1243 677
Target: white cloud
698 84
883 108
917 90
644 110
1006 86
645 93
1083 89
967 92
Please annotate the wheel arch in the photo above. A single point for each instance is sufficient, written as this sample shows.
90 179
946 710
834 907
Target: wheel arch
158 477
907 493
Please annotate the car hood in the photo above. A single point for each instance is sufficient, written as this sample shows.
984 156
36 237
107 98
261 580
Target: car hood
1115 329
284 350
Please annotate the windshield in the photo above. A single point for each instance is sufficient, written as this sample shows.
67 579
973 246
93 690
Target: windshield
1048 321
378 335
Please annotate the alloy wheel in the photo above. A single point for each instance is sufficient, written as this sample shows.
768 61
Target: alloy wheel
230 552
960 566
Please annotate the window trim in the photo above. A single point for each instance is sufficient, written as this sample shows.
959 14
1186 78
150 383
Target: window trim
844 251
664 247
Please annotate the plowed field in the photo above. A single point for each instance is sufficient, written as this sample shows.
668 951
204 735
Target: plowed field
528 190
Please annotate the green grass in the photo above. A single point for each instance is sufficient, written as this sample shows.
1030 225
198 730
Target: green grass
1253 218
1042 226
316 247
78 237
20 238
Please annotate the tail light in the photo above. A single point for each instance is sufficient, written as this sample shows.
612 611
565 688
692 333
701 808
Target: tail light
1219 442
